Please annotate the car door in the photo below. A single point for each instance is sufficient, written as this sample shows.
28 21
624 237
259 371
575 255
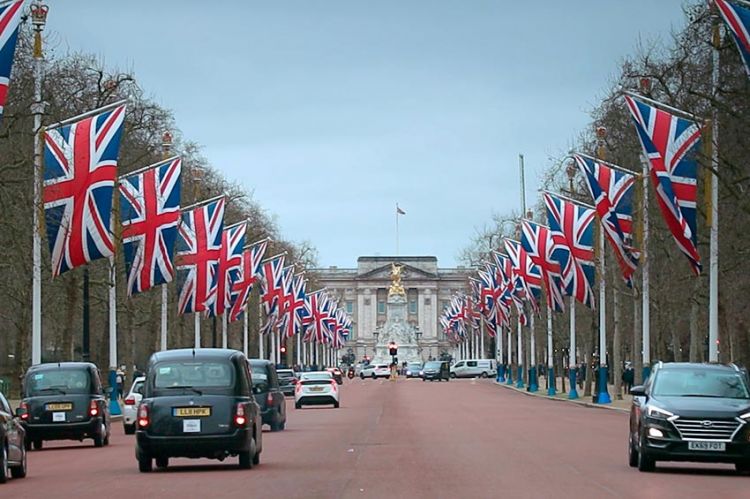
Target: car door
472 369
459 368
11 429
275 390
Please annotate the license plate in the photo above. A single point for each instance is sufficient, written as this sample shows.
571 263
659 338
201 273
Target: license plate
60 407
316 388
187 412
710 446
191 426
58 417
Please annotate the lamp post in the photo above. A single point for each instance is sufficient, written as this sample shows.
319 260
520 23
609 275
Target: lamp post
166 147
375 346
418 334
603 395
38 20
573 393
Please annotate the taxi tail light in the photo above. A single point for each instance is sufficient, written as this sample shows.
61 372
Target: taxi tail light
269 399
93 409
24 411
130 400
143 416
239 415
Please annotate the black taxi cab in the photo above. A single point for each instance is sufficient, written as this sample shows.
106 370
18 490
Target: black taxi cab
198 403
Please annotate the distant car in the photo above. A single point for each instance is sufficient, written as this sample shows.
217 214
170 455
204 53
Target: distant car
413 369
375 371
287 379
691 412
198 403
316 388
337 374
268 393
64 401
13 452
358 368
130 405
435 370
474 368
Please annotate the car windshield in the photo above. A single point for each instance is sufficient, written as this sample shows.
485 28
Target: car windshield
432 365
699 383
58 382
414 366
193 374
285 374
258 370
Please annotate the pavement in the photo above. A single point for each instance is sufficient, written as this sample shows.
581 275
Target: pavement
617 404
397 439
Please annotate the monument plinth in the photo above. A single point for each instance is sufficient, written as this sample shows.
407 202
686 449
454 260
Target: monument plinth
396 328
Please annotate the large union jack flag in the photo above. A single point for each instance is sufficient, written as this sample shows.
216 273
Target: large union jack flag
219 297
318 313
150 215
248 275
670 142
79 178
572 233
272 290
612 191
198 253
294 307
537 241
10 16
737 18
528 277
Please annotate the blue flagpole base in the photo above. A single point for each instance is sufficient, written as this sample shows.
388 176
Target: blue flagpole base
551 391
646 373
501 373
573 393
114 406
603 395
509 377
519 380
533 383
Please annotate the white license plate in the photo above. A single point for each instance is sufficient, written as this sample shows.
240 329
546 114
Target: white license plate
191 425
711 446
316 388
58 417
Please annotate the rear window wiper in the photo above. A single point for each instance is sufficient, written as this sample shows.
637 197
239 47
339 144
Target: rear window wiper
183 387
51 389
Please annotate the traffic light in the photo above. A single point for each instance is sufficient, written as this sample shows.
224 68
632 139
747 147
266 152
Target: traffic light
393 349
283 349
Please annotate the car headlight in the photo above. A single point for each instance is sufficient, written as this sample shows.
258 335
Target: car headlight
746 415
421 373
408 373
658 412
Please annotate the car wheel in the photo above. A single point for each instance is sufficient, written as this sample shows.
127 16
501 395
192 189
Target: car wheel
645 463
106 435
4 465
453 375
373 376
336 405
129 428
742 467
256 459
632 454
297 405
282 426
99 437
276 426
424 379
162 462
246 457
20 470
38 444
361 376
144 462
484 375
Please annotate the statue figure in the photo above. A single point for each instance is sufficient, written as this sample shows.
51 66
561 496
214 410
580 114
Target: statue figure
396 289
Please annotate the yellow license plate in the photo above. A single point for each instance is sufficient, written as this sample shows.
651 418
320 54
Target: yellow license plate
60 407
186 412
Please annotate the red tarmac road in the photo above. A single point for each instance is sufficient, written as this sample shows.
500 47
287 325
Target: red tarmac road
462 439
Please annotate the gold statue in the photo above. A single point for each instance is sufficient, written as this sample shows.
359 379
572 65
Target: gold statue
396 287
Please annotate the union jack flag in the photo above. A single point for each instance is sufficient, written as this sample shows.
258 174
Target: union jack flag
10 16
287 301
537 241
318 314
248 275
79 180
271 290
198 253
513 291
737 17
572 233
294 307
612 192
219 297
670 143
527 275
150 215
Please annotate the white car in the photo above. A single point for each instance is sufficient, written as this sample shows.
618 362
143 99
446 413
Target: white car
316 388
375 371
130 407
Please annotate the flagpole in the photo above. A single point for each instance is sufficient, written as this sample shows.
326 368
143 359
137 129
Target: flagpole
551 388
166 144
197 326
224 339
396 229
572 393
38 19
519 355
509 342
114 406
244 333
603 394
299 348
500 361
533 383
713 292
645 295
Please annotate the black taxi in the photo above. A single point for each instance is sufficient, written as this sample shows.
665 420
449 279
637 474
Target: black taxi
64 401
198 403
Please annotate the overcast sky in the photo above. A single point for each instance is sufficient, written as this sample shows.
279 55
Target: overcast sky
332 111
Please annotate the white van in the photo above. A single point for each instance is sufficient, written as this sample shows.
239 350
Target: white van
473 368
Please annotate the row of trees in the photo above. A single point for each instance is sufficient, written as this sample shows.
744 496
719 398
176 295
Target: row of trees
72 84
678 74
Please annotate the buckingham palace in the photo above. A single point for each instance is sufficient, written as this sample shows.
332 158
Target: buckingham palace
363 292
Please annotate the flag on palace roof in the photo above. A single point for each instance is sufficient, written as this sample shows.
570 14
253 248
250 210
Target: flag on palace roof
737 17
612 191
79 179
10 17
671 143
248 275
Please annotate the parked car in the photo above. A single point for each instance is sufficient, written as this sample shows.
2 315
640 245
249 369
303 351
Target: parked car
375 371
691 412
315 388
268 393
64 401
198 403
358 368
338 376
130 405
13 453
287 379
473 368
435 370
413 369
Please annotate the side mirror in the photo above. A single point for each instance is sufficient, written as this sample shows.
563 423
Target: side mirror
20 412
638 391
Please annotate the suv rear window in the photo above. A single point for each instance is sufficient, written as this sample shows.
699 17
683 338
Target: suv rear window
194 374
58 382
